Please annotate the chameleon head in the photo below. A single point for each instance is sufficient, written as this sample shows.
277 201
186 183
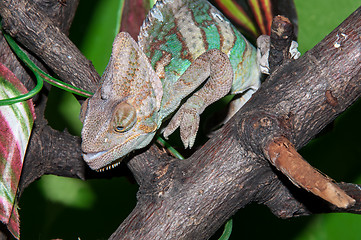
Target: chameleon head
122 114
111 130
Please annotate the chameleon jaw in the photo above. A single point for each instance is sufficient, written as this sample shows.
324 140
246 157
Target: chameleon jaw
90 158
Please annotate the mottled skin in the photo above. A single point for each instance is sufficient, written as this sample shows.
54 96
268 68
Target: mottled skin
181 45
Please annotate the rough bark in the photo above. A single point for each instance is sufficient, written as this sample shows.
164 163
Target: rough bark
192 198
47 41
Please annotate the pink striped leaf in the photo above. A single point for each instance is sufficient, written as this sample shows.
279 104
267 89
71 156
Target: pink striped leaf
15 129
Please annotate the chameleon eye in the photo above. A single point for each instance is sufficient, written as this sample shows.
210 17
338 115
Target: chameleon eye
124 117
119 129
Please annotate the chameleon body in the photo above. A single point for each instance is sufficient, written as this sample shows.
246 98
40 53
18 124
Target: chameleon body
188 55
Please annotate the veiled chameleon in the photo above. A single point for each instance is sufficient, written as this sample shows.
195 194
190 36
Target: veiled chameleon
182 45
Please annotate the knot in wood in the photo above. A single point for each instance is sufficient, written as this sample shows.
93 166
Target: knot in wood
330 99
258 129
265 122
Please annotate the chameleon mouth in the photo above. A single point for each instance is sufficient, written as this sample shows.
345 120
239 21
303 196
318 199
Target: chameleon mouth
90 157
110 166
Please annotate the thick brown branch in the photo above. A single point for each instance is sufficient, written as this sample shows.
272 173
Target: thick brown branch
51 152
48 42
60 16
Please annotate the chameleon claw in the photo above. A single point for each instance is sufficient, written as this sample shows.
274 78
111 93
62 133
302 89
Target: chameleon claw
171 127
189 128
188 142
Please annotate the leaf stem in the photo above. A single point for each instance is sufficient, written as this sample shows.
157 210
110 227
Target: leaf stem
40 76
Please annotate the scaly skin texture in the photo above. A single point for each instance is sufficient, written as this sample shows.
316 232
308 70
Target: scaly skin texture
181 45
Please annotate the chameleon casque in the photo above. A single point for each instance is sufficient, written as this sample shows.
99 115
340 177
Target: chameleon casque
182 45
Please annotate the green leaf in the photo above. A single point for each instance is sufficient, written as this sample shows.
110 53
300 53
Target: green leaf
227 230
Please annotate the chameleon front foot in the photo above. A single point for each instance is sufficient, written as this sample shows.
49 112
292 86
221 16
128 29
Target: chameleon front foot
187 119
215 68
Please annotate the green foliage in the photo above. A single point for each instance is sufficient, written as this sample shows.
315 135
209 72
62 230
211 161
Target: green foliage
43 217
318 18
78 193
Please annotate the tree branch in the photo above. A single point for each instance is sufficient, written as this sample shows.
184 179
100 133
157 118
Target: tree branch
282 154
48 42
